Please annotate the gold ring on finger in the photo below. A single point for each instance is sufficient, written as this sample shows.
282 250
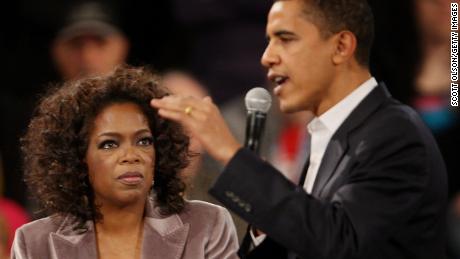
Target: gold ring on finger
188 110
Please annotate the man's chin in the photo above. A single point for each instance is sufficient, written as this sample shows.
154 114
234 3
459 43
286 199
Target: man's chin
292 108
286 108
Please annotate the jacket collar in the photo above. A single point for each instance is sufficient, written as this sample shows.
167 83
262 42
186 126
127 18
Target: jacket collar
164 237
338 144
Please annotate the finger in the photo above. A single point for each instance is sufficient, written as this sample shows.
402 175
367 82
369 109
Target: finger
207 99
192 117
168 103
173 115
176 103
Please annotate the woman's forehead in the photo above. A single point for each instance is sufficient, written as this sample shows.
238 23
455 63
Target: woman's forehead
120 118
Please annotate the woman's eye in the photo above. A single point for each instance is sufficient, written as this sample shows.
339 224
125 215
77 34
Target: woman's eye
145 141
108 144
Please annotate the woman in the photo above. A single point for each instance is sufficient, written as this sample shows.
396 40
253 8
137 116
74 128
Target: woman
94 153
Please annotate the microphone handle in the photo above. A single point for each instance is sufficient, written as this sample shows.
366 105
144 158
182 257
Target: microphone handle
254 129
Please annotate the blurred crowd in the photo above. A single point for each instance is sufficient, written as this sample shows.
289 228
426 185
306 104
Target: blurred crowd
211 48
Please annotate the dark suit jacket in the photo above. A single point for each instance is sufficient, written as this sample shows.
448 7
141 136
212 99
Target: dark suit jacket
380 191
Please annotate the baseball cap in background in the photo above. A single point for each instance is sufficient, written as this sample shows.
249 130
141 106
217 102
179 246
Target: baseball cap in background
89 18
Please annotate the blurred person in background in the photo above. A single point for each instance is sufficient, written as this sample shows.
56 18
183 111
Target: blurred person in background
412 54
428 88
181 83
4 252
201 173
90 42
283 144
431 99
285 136
12 216
432 84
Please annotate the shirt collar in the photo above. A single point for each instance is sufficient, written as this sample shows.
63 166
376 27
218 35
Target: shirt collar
334 117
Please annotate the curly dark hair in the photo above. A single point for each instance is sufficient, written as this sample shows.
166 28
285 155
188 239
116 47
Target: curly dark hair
57 138
333 16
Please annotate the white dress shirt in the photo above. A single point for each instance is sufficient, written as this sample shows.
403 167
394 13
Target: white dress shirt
322 129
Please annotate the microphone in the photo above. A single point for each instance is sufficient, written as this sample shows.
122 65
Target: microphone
258 102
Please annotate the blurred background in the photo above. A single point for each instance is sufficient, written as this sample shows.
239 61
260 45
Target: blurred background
211 47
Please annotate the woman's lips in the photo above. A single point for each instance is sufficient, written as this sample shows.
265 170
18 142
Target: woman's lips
131 178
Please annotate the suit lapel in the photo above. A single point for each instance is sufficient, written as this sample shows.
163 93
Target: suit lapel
338 144
334 153
71 244
303 174
169 243
164 237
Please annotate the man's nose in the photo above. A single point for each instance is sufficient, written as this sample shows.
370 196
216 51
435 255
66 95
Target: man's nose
269 57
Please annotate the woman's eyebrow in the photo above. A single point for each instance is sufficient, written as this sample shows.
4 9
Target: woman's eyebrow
117 134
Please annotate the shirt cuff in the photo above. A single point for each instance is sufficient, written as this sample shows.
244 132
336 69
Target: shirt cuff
257 240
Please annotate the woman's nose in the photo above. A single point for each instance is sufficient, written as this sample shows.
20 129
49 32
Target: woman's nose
130 155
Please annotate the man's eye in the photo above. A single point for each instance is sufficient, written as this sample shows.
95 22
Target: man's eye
285 40
108 144
147 141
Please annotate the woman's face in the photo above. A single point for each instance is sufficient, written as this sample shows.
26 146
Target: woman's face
120 156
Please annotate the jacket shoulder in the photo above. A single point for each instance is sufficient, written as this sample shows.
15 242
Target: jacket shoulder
202 210
39 228
212 228
206 217
395 118
33 236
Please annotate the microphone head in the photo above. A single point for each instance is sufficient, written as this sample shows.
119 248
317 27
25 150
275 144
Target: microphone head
258 99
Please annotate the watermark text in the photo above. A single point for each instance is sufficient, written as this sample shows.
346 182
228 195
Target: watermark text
454 54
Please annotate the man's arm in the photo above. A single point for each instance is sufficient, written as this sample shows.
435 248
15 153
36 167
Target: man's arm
382 191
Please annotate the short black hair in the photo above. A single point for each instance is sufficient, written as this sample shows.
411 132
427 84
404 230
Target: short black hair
333 16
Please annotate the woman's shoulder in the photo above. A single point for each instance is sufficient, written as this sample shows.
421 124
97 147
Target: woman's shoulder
200 210
33 239
212 228
203 207
40 227
34 235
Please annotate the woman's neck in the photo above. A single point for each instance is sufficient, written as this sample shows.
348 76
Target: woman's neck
120 219
119 233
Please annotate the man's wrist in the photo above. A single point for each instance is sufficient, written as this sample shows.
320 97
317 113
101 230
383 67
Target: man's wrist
229 153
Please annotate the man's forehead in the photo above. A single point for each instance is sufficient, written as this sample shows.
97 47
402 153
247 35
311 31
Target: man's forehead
286 14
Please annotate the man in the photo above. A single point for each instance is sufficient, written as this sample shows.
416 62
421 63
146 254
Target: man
89 42
375 184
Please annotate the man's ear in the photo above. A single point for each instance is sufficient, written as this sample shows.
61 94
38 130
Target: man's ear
345 43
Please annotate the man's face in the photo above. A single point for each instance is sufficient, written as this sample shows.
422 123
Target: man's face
433 18
298 58
89 54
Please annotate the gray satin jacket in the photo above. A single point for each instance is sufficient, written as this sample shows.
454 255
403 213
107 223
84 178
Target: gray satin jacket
201 230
